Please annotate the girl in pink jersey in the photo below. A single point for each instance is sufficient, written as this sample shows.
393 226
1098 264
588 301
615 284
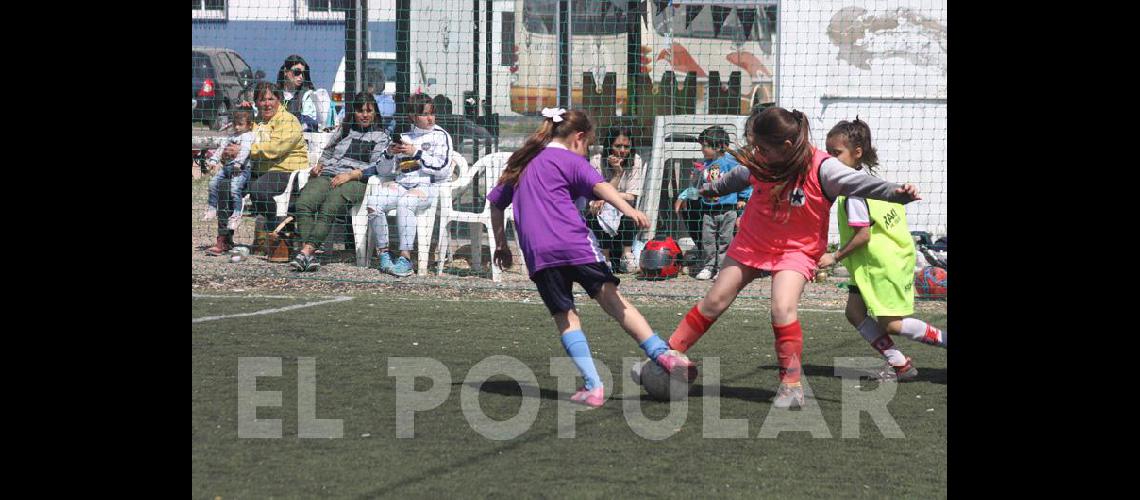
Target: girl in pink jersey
783 232
542 179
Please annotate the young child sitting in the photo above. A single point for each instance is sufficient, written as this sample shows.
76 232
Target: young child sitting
236 171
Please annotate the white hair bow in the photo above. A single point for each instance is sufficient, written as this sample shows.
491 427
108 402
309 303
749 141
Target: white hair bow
554 114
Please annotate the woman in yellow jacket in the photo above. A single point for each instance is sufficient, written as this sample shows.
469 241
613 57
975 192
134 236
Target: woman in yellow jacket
278 150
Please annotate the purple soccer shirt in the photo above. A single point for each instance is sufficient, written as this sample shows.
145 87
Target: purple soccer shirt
551 231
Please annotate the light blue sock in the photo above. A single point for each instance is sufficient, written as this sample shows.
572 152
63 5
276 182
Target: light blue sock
654 346
575 344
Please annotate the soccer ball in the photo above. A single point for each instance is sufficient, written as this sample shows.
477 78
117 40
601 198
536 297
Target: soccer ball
930 283
658 383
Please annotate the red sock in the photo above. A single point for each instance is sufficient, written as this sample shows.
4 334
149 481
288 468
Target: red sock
690 330
789 350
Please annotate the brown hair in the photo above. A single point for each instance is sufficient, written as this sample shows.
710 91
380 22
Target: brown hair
573 121
242 114
263 87
418 104
857 134
784 165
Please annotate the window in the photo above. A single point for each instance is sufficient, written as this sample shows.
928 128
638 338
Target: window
240 65
746 23
589 17
329 5
381 72
322 10
202 67
507 39
226 66
208 9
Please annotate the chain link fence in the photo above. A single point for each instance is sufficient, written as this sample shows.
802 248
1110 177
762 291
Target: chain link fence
659 79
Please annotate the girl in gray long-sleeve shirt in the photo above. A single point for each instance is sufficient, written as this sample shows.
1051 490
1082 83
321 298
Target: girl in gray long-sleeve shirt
338 180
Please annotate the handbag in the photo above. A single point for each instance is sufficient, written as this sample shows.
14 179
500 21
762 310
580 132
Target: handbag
279 243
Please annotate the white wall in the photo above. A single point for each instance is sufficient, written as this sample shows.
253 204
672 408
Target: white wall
442 39
501 83
900 91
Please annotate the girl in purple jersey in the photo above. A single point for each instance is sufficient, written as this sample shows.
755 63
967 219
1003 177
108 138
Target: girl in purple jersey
542 179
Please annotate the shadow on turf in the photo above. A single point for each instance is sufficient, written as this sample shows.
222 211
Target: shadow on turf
932 375
510 388
753 394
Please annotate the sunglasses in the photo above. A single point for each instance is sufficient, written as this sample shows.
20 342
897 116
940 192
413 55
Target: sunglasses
622 146
298 70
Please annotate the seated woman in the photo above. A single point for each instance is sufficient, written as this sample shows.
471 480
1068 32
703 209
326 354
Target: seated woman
278 150
423 161
622 167
335 183
300 93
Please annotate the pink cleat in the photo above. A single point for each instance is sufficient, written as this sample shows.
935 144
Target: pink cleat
593 398
677 363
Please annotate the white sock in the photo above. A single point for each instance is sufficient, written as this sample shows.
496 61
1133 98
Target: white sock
882 342
920 331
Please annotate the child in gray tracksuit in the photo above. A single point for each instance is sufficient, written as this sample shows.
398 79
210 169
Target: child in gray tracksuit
718 213
236 171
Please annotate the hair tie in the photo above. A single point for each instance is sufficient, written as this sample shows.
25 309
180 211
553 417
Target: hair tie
555 114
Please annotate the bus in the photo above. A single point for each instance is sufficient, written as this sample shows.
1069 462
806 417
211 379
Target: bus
678 35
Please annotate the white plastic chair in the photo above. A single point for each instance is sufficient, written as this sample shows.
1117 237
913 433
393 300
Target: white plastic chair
425 221
493 164
317 142
301 177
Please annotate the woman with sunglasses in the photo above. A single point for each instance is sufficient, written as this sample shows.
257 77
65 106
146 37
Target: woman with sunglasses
622 167
300 93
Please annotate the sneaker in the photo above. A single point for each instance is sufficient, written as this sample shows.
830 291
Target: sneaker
210 214
300 262
619 267
705 274
594 398
402 267
234 222
676 363
314 264
385 262
932 337
788 395
897 373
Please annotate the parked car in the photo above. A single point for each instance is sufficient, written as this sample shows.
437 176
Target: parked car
379 69
220 77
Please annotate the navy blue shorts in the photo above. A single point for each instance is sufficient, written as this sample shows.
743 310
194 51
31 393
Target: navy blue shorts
555 283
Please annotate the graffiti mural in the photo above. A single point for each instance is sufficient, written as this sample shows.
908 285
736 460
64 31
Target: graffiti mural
863 36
